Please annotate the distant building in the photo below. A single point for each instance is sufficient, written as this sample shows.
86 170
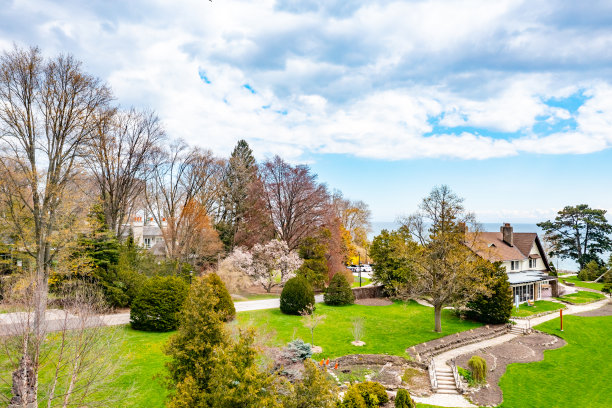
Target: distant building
524 258
147 234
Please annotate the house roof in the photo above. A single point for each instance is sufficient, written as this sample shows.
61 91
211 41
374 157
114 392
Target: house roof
515 278
491 246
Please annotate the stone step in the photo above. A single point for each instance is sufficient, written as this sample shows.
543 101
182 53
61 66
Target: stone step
446 378
449 371
451 383
455 392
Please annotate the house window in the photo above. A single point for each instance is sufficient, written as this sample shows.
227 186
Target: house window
533 263
147 242
514 265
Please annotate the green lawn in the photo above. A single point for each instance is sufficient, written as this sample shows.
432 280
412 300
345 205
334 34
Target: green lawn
388 329
581 297
364 281
579 283
140 358
539 306
577 375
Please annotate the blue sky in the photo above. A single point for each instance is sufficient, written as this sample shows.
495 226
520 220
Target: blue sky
508 102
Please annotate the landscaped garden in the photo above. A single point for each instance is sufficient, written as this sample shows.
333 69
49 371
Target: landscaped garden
582 284
576 375
581 297
387 329
540 306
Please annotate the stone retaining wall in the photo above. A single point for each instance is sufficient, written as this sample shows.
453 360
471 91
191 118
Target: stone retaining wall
368 292
425 351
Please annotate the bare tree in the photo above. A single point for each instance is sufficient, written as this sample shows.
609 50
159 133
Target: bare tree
75 351
48 112
120 158
446 270
297 204
172 198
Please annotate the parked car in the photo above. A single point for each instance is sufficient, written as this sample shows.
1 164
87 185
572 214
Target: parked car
366 268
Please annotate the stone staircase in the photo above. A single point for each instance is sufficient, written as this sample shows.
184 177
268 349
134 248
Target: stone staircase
514 329
446 381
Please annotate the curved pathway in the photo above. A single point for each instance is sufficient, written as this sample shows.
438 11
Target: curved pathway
56 319
450 400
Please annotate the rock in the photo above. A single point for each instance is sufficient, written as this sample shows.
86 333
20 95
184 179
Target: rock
317 349
358 343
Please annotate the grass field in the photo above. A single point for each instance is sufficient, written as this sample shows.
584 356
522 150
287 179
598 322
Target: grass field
579 283
140 358
388 329
581 297
539 306
583 363
364 281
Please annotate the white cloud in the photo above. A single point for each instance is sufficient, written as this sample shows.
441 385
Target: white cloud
364 80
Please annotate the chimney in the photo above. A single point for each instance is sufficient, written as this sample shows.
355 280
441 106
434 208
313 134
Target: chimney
507 234
462 228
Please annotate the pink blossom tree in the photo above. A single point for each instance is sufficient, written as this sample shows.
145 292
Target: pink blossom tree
268 265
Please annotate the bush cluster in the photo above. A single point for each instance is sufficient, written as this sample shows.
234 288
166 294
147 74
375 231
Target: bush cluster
591 271
403 400
367 394
158 303
339 292
478 366
297 296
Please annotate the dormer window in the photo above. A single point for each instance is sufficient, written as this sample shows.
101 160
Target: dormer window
491 245
514 265
533 263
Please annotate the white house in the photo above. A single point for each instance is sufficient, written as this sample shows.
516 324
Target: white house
146 233
524 258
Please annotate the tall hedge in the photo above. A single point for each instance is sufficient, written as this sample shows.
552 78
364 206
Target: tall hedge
158 303
339 292
297 296
225 304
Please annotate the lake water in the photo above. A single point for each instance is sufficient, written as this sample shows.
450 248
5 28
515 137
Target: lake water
565 264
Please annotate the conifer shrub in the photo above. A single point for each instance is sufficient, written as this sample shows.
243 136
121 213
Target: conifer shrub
158 303
497 306
352 399
297 350
478 366
339 292
297 296
225 304
403 400
367 394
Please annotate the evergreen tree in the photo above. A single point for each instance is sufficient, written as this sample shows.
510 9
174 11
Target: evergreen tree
240 173
495 307
314 269
580 233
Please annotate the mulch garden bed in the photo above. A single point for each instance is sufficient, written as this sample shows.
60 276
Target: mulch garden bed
522 349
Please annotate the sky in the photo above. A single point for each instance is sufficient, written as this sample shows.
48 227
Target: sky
507 102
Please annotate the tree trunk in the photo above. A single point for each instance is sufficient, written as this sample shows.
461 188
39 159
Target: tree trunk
438 318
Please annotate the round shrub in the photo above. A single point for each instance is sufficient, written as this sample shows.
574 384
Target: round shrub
297 296
157 304
339 292
225 304
403 400
478 366
352 399
373 393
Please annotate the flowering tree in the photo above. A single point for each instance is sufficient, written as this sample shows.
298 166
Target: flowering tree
269 265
